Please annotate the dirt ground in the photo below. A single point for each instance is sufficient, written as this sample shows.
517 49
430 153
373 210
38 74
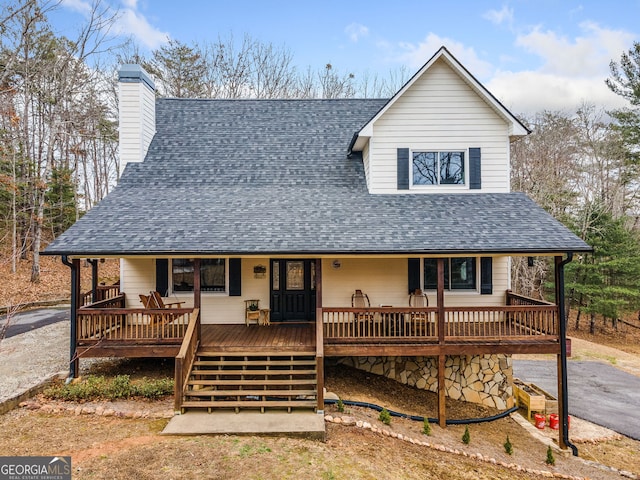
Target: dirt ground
120 448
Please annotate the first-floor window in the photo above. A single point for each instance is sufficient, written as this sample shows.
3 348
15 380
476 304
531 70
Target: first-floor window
459 273
438 168
212 275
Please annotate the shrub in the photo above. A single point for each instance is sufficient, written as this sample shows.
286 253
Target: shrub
118 387
340 406
550 458
385 417
466 437
508 447
426 426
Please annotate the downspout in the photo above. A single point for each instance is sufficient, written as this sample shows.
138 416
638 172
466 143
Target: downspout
74 314
563 352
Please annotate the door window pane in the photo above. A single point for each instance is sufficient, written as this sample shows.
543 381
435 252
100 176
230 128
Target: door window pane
295 275
275 275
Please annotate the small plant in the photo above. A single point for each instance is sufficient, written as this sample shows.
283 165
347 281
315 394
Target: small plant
550 458
385 417
466 436
118 387
340 405
508 447
426 426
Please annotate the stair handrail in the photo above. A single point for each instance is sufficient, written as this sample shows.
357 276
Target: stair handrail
185 358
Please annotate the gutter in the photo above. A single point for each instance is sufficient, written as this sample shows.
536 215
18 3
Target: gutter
563 353
74 314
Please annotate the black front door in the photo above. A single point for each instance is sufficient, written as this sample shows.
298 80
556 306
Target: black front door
293 290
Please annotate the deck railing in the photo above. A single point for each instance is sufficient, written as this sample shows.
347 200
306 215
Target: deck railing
103 292
383 322
186 357
104 322
516 299
514 322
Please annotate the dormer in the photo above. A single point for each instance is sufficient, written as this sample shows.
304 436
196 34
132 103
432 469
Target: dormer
442 132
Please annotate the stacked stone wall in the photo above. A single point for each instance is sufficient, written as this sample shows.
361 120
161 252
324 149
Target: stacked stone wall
483 379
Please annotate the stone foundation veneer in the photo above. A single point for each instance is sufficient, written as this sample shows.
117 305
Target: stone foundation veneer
483 379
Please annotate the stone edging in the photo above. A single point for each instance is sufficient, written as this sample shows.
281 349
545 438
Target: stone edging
55 407
351 421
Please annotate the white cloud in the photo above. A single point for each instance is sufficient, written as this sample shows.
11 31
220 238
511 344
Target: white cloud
499 17
573 70
131 22
587 55
81 6
356 31
415 56
531 91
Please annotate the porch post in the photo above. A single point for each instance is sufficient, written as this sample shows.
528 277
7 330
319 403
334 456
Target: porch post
197 294
94 279
319 339
442 414
74 362
563 395
197 297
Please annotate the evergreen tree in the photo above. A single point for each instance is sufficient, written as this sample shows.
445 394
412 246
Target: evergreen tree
607 283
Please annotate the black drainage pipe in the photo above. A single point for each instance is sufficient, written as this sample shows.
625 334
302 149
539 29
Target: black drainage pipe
418 418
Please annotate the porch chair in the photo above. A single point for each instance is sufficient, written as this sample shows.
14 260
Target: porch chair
157 302
419 323
363 321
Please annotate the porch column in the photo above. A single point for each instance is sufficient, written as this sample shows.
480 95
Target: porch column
197 297
319 339
94 280
197 294
563 395
442 414
74 362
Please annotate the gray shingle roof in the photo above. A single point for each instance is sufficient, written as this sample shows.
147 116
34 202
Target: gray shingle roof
272 177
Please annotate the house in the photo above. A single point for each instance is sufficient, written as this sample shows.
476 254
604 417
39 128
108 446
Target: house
293 205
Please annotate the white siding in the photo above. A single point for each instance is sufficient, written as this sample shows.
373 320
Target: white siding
385 281
440 111
137 121
365 161
137 276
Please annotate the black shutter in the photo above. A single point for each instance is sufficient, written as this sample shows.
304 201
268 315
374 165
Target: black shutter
162 276
486 275
414 274
235 277
403 169
475 170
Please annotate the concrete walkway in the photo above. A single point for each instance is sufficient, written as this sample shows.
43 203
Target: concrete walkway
301 424
598 392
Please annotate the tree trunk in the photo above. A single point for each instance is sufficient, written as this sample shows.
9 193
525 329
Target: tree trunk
592 325
578 318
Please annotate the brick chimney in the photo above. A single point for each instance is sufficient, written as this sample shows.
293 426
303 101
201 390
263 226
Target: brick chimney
137 112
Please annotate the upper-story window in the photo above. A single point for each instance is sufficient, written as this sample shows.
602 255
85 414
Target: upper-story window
438 168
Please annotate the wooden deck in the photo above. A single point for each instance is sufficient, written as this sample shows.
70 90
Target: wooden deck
281 337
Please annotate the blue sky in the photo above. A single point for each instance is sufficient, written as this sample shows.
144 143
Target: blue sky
532 54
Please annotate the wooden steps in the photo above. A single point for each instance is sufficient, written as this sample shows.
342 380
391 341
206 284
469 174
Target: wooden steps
251 380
